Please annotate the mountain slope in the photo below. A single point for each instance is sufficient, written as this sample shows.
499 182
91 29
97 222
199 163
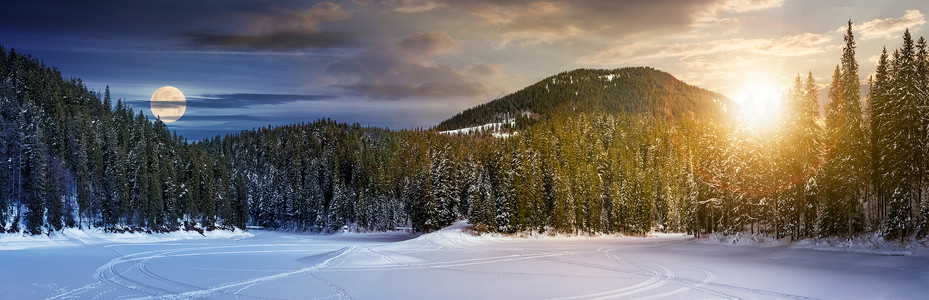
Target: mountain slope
631 90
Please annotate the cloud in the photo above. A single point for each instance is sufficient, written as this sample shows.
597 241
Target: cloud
482 70
272 41
279 29
427 44
787 46
741 6
240 100
538 22
409 68
234 100
226 118
726 13
167 104
236 24
889 28
411 6
529 22
296 20
434 90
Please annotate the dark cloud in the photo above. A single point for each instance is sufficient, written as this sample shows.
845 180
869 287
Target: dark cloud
235 100
166 104
398 92
280 29
228 118
241 100
128 19
240 25
273 41
424 44
408 69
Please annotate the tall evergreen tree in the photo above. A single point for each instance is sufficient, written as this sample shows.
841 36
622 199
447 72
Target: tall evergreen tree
848 152
880 140
804 157
906 141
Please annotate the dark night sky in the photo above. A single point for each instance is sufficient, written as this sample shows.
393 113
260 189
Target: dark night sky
412 63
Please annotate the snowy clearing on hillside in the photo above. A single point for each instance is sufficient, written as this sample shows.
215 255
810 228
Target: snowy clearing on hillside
496 129
451 264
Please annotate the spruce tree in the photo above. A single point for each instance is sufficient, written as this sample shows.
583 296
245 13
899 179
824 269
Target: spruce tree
35 173
881 144
848 153
906 141
803 157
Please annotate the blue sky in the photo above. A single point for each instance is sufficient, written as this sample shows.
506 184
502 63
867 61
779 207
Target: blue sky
412 63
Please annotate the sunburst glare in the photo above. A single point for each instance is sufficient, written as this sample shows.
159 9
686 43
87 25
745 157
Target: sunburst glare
760 105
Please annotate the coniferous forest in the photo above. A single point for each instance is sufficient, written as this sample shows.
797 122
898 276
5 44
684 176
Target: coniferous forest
594 151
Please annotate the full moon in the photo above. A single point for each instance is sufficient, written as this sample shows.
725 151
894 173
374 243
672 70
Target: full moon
168 104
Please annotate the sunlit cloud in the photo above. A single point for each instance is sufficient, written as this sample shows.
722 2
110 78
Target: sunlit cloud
741 6
891 27
793 45
411 6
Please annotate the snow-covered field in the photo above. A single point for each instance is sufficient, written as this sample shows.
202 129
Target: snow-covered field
449 264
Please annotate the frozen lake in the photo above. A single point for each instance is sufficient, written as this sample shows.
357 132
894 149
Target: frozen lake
451 265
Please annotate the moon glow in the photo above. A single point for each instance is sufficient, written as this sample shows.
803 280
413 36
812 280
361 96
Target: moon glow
168 104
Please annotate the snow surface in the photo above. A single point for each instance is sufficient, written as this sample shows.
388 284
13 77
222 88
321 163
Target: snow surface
93 236
495 129
872 243
451 264
609 77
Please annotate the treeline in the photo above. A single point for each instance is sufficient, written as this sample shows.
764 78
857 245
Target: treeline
70 157
591 173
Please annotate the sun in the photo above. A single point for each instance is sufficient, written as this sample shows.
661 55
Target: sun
760 104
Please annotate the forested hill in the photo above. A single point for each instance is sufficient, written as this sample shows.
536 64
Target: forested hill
630 90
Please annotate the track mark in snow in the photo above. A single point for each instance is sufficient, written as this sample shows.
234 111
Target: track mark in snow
143 267
658 275
108 274
384 256
695 285
219 289
454 263
340 292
